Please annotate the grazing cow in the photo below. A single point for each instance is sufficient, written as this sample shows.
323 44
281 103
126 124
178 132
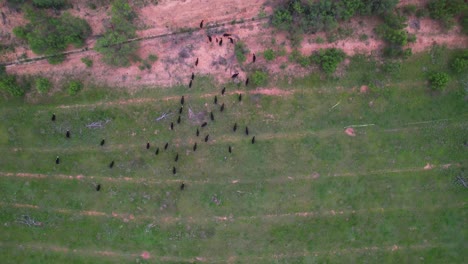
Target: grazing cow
216 40
211 116
201 24
206 138
190 84
195 146
231 40
221 42
178 120
174 171
103 141
253 140
235 127
198 132
193 76
223 90
157 151
204 124
222 107
176 157
226 35
209 38
172 125
182 186
68 134
98 187
247 131
229 149
147 145
167 145
53 117
180 110
254 58
196 62
240 97
57 160
182 100
247 81
235 75
216 100
111 165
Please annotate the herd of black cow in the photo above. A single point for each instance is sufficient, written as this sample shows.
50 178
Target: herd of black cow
182 101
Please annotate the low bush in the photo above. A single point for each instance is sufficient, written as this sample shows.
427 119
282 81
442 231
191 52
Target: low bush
259 77
74 87
269 55
42 85
438 80
328 59
241 51
87 61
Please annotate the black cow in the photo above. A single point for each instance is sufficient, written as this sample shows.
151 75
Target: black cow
193 76
247 131
223 90
167 145
172 125
226 35
57 160
235 127
204 124
53 117
178 120
176 157
180 110
98 187
198 132
195 146
247 82
240 97
111 165
222 107
182 100
206 138
216 100
229 149
182 186
67 134
254 58
253 140
231 40
209 38
201 24
196 62
103 141
157 151
221 42
147 145
190 84
174 171
235 75
211 116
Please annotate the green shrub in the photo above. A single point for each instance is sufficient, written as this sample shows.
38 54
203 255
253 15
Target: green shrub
328 59
9 84
57 4
87 61
297 57
152 57
74 87
445 11
240 50
409 9
269 55
460 63
363 37
42 85
259 78
49 35
438 80
464 23
391 68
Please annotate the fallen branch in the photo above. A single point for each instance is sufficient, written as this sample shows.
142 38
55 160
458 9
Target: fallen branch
98 124
335 105
365 125
163 116
26 220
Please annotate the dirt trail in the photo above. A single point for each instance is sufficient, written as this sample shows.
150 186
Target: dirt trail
177 53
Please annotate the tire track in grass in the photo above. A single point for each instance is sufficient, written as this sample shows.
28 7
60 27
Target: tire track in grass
264 136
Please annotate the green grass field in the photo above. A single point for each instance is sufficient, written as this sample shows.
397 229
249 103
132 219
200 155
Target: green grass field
305 192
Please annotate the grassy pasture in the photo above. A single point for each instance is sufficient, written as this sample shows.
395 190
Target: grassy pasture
304 193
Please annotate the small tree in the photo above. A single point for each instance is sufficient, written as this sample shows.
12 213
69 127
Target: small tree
438 80
74 87
8 83
329 59
269 55
240 50
87 61
42 85
259 78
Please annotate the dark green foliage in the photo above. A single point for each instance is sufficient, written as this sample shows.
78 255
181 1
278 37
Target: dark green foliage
259 78
152 57
445 11
9 84
394 33
87 61
329 59
460 63
409 9
74 87
269 55
114 45
378 7
438 80
240 50
42 85
464 23
50 35
49 3
297 57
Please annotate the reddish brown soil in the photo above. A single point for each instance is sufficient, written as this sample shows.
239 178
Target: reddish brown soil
177 53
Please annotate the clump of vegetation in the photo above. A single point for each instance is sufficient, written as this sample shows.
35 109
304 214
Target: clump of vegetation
57 4
9 84
74 87
269 54
297 57
87 61
114 45
328 59
42 85
241 50
152 57
460 63
409 10
51 35
438 80
259 77
394 33
445 11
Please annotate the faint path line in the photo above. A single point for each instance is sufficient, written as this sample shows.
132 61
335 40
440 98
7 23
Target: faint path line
233 139
127 217
208 181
